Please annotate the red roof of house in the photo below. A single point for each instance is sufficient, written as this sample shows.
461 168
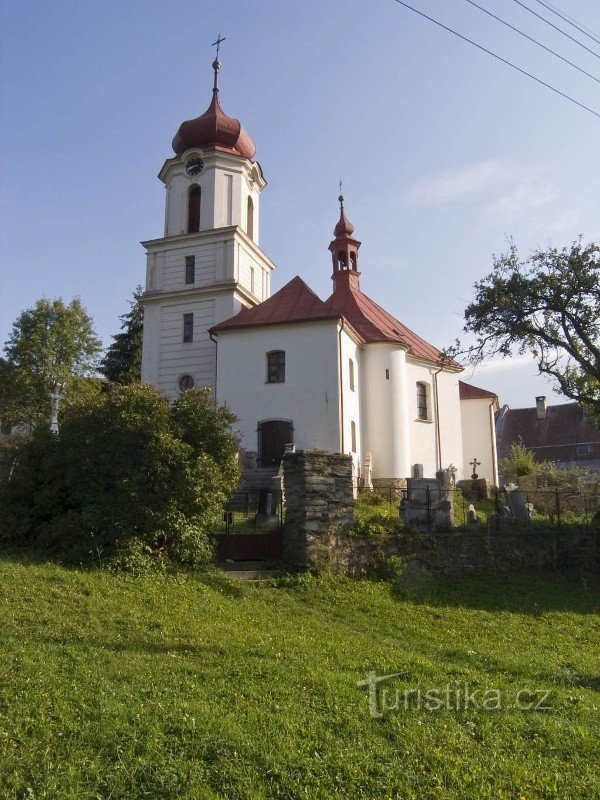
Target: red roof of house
469 392
295 302
566 434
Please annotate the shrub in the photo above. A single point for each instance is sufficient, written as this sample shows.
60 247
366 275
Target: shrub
128 479
521 461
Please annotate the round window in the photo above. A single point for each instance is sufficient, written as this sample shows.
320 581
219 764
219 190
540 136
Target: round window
186 382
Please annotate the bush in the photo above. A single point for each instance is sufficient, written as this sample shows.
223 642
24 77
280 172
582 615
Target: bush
521 461
129 479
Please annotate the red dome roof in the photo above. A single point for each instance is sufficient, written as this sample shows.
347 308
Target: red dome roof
214 130
344 227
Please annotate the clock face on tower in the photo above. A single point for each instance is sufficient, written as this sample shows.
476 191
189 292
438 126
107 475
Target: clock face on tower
194 166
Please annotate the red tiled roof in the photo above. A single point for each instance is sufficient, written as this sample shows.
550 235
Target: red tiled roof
469 392
554 438
375 324
295 302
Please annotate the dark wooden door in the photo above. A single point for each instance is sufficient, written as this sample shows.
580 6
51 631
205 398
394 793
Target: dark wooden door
274 435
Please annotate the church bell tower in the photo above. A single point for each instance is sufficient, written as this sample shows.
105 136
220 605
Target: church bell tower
208 264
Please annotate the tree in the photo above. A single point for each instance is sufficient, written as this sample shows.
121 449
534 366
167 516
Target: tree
52 347
123 360
547 305
129 478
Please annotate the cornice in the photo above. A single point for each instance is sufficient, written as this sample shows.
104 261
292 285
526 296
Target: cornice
228 233
199 291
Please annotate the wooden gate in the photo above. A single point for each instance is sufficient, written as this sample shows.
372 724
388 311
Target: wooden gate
252 527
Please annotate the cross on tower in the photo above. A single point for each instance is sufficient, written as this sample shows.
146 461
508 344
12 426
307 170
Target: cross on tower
218 43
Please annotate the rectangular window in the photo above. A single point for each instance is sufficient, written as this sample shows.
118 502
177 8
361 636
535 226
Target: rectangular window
276 366
422 411
353 435
351 373
190 269
252 279
188 327
387 374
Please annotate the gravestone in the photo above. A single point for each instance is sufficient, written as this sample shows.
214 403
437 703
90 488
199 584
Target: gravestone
429 503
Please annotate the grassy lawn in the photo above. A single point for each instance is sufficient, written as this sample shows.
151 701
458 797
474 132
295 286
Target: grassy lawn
186 686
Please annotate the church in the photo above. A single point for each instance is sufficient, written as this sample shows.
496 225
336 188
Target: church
340 375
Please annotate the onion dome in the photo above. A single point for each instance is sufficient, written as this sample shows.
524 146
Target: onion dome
344 226
214 130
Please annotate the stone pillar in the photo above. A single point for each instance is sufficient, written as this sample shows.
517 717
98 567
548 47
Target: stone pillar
319 504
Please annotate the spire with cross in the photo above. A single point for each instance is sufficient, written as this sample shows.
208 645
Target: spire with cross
216 65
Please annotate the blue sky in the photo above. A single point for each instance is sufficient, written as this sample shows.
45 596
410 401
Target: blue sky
443 151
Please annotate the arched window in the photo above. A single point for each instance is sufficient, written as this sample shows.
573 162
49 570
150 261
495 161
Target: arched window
353 259
422 408
342 260
194 209
353 435
250 218
276 366
351 374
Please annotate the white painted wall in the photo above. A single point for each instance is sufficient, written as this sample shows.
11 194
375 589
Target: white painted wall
385 420
352 405
423 434
450 422
225 184
479 437
310 394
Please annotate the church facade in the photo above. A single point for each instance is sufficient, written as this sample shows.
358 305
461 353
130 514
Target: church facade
340 374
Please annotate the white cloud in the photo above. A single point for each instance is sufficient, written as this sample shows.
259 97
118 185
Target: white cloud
495 365
457 184
501 188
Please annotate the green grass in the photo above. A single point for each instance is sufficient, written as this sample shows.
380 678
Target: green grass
187 686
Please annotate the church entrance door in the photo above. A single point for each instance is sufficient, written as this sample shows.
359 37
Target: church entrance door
273 435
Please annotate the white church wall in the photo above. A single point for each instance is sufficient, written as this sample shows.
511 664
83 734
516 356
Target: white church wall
450 423
479 438
351 350
151 344
225 184
252 274
385 425
173 266
310 394
195 358
423 433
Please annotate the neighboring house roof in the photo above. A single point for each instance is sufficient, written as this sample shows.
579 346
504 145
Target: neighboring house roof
469 392
296 302
565 435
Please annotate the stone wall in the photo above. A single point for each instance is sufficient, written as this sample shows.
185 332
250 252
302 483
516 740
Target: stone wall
319 503
448 553
318 532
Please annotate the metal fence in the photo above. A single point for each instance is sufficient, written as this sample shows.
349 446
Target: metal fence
258 511
542 507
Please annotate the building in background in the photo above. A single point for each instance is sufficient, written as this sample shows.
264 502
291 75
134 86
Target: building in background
563 435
